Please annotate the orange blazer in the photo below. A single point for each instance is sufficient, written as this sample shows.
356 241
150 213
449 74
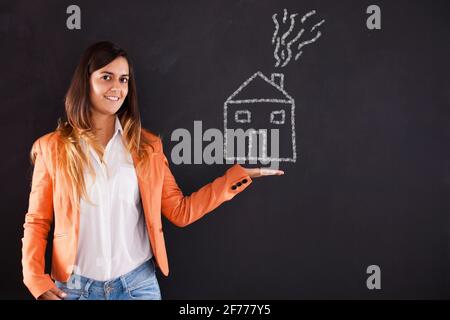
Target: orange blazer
50 201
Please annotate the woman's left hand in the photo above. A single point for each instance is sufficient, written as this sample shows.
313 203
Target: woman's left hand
260 172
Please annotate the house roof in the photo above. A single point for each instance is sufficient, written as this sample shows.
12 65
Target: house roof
259 87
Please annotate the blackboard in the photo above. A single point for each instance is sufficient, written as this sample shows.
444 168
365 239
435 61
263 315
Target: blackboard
369 185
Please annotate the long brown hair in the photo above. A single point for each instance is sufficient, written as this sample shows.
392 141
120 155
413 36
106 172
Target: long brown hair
77 125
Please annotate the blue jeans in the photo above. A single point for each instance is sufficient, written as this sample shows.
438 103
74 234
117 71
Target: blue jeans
138 284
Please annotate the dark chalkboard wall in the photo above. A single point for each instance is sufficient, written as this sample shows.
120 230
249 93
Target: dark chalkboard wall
371 182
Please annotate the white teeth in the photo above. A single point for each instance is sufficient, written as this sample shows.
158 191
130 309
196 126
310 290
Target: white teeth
112 98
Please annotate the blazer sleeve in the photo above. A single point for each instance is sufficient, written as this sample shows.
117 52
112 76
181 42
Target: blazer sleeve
38 220
183 210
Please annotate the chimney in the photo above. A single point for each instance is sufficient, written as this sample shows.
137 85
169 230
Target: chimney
278 79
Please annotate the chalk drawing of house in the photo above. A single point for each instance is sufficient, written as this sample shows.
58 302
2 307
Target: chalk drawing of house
261 104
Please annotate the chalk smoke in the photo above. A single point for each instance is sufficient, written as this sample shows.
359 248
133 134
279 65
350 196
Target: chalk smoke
286 42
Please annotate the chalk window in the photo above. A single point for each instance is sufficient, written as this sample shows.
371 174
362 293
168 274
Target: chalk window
277 117
242 116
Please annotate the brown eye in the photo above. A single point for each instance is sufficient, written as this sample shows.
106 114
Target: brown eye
124 80
106 77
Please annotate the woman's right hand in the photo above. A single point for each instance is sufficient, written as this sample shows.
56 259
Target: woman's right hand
52 294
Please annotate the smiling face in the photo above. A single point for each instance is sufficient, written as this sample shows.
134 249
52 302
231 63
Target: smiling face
109 87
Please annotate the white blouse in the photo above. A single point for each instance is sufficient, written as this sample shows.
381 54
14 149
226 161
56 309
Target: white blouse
113 238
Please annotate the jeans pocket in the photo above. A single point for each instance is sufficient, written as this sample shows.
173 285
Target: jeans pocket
72 294
146 290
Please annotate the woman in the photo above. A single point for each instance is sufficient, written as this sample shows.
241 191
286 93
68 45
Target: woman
104 181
